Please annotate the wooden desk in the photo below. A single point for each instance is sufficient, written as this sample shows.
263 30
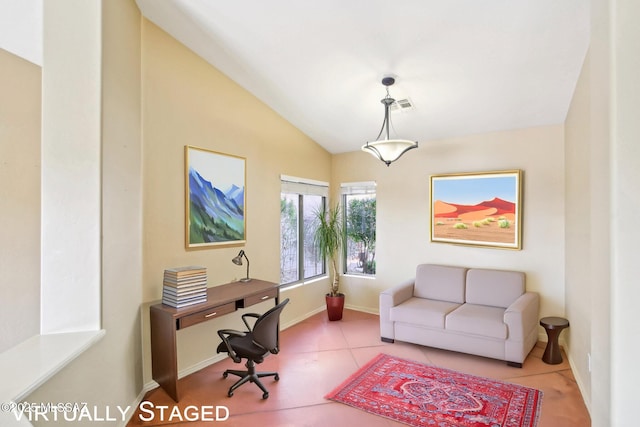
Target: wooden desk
166 320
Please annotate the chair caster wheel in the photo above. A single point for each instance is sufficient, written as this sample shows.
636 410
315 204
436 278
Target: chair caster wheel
265 395
276 377
225 374
230 394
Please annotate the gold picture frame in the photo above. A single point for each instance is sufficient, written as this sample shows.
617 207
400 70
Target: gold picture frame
215 198
477 209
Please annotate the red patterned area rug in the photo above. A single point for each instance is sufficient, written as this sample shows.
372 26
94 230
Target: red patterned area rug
423 395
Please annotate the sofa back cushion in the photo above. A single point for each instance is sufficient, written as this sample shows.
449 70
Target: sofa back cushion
497 288
440 282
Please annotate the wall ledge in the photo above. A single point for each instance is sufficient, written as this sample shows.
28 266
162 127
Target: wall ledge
30 364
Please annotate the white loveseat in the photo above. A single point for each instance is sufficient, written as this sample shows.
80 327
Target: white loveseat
478 311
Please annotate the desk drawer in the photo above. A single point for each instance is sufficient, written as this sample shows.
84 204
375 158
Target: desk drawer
204 315
263 296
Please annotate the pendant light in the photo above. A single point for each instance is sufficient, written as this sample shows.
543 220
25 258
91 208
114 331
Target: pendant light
388 150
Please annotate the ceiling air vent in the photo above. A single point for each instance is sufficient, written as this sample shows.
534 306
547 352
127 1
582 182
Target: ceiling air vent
402 105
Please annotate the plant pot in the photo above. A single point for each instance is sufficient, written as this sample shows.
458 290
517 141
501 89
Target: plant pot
335 305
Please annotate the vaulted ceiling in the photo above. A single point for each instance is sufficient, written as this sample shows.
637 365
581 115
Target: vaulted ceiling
467 66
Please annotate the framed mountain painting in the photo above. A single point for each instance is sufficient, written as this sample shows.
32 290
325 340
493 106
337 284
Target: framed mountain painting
215 198
478 209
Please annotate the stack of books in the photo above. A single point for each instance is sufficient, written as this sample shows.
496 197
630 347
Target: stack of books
184 286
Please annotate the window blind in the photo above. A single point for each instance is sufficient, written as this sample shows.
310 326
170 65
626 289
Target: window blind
304 186
365 187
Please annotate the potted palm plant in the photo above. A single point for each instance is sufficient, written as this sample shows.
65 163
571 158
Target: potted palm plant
328 238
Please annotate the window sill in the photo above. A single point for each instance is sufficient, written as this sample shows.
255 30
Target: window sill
31 363
303 283
360 276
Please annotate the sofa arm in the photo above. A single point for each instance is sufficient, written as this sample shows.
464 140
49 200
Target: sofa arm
390 298
521 316
397 294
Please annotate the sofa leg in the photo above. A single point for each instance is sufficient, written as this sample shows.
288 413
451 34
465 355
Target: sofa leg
389 340
515 364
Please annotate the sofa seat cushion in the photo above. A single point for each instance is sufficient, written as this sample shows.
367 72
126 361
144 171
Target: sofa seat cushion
479 320
423 312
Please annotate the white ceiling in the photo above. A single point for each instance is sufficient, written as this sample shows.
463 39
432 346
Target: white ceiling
468 66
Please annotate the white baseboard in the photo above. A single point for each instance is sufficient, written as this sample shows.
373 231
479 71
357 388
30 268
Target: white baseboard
134 405
301 318
187 371
362 309
585 398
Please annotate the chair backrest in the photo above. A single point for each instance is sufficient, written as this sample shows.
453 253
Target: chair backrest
265 330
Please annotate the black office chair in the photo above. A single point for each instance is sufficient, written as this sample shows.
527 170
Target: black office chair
254 345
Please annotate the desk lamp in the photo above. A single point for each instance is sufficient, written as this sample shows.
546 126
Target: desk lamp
237 260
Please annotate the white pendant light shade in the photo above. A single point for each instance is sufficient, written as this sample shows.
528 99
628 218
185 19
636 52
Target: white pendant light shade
388 150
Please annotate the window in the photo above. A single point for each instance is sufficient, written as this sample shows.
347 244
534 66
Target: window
359 207
300 199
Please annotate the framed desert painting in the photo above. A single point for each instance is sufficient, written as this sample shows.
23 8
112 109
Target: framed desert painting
479 209
215 196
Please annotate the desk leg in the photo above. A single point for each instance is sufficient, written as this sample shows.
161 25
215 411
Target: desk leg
164 358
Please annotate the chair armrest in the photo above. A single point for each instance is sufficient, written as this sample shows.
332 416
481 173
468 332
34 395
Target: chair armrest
224 334
245 315
522 315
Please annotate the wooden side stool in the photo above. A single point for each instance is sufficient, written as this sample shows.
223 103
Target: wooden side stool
553 326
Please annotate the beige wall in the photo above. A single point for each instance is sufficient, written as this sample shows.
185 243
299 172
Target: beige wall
625 210
188 102
578 283
110 372
602 175
71 149
20 86
403 210
600 245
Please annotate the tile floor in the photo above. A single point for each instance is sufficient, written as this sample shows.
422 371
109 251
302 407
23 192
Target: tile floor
317 355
